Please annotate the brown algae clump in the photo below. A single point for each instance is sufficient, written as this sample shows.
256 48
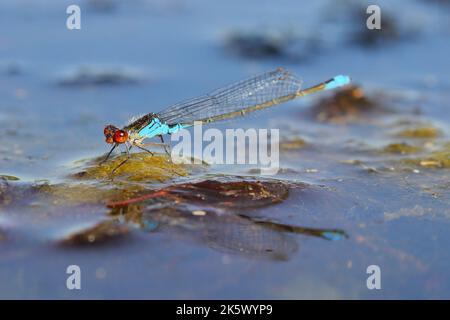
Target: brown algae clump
102 233
348 104
140 167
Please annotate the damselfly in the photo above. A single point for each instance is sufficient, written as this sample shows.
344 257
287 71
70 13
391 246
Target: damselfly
256 93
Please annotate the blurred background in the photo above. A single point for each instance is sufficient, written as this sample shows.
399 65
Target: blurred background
375 157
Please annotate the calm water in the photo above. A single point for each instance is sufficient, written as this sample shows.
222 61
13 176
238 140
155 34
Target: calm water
357 188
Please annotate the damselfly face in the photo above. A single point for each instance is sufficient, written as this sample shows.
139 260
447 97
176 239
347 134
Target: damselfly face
115 135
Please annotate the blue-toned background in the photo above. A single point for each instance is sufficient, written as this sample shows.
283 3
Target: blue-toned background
161 52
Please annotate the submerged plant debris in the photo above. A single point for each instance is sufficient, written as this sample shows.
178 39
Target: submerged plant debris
102 233
346 105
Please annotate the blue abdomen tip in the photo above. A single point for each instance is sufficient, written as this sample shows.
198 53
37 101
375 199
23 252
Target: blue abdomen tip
337 82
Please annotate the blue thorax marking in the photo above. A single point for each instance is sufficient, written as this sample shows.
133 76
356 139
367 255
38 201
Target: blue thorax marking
156 128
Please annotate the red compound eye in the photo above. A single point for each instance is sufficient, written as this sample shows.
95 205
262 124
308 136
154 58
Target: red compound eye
120 136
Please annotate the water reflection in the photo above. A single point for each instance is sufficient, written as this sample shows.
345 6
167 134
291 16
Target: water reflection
226 230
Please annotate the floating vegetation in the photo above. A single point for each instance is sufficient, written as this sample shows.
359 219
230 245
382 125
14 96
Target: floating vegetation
140 167
271 44
419 133
401 148
365 37
437 160
346 105
69 194
292 144
85 76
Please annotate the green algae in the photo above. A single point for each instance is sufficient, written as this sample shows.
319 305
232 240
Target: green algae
98 182
292 144
439 159
401 148
419 133
140 167
434 160
68 194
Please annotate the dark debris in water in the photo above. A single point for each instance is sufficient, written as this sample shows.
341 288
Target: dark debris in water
88 76
390 33
271 44
369 38
105 232
346 105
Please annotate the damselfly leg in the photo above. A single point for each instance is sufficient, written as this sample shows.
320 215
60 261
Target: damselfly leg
123 162
109 154
164 145
145 149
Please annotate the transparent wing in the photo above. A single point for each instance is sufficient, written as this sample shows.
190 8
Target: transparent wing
256 93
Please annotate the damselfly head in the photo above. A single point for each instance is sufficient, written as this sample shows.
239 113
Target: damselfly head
115 135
